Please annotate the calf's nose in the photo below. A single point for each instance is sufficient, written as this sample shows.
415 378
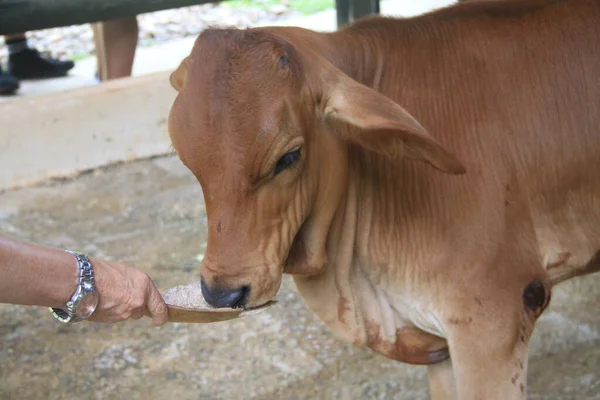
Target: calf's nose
221 297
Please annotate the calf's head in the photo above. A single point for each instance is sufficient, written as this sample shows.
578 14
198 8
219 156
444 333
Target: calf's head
265 124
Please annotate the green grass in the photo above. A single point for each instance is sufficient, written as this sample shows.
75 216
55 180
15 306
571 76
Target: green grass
79 55
302 6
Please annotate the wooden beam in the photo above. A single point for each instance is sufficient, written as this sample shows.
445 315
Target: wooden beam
27 15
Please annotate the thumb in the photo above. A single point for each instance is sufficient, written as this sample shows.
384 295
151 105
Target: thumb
157 307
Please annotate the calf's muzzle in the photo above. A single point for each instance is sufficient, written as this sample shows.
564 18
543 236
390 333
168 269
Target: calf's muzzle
223 297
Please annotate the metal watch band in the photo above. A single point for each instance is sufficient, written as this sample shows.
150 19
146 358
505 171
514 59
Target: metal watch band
85 285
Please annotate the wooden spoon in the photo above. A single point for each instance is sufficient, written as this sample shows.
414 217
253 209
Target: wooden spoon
186 304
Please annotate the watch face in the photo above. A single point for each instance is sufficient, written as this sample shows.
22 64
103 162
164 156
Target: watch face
87 305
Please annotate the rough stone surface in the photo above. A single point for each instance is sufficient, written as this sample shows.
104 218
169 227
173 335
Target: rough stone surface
151 214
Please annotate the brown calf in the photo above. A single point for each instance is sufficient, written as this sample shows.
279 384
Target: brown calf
426 180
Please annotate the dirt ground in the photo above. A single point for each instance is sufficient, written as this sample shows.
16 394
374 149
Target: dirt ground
150 213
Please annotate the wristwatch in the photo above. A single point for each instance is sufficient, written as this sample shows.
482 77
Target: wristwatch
85 299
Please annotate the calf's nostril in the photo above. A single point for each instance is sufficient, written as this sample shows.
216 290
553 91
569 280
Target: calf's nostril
221 297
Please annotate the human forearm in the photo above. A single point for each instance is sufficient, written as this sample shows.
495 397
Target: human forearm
31 274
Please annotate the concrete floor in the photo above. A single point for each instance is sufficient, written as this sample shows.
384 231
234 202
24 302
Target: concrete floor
150 213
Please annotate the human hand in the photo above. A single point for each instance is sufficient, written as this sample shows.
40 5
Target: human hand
126 292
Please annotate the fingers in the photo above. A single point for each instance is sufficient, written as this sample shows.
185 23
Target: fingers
147 300
126 292
156 306
137 314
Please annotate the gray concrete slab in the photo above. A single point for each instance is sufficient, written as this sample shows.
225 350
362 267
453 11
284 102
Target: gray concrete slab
150 213
64 133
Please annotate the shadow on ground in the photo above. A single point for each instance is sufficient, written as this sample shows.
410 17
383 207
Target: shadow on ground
151 214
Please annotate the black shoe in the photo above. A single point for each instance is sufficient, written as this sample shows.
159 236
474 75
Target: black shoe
8 83
30 64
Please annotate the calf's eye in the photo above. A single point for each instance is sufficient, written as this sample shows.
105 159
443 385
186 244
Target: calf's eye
287 160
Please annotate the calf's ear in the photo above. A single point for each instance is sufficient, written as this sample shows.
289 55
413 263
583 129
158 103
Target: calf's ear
178 77
379 124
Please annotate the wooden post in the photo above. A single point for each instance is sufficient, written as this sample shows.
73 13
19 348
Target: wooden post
362 8
349 10
342 8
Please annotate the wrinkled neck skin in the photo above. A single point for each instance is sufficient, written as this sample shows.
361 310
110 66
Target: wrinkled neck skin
362 291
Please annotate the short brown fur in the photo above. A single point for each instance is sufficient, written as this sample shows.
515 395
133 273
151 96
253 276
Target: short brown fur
448 178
